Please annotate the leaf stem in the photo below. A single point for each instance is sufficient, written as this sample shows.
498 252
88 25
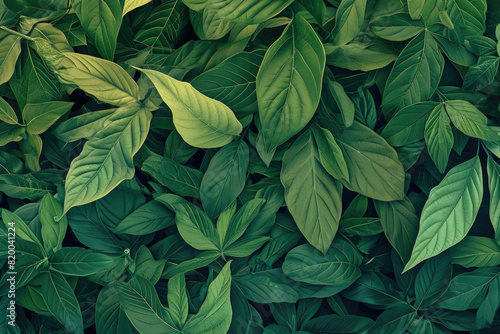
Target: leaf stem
16 33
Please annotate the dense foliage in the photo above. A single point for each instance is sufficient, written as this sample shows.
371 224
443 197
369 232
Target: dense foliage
250 166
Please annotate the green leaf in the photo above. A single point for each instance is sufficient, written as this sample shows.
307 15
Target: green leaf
288 86
470 13
182 180
330 154
343 101
106 160
349 19
432 280
468 290
394 320
482 74
110 318
41 116
7 114
193 224
360 56
10 49
374 288
143 308
476 252
488 309
269 286
163 26
449 212
24 186
339 266
374 168
337 324
101 21
148 218
201 260
104 80
22 231
407 126
225 178
83 126
215 313
415 8
248 11
201 121
415 75
233 82
363 226
74 261
312 195
61 301
439 137
52 232
130 5
400 224
397 27
494 187
178 299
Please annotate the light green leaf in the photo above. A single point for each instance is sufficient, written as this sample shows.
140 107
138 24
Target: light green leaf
288 85
83 126
163 26
349 19
61 301
215 313
23 231
10 133
193 224
374 168
359 56
439 137
330 154
312 195
10 49
343 101
130 5
415 8
182 180
476 252
39 117
225 178
101 20
106 160
415 75
7 114
24 186
178 299
208 25
53 35
148 218
248 11
269 286
201 121
468 119
339 266
449 212
75 261
470 13
31 147
143 308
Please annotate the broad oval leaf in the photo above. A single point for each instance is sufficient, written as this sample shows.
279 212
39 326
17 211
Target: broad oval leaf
313 196
225 178
449 212
7 114
75 261
339 266
101 20
107 159
349 20
110 318
476 252
415 75
248 11
432 280
482 74
148 218
288 86
374 168
201 121
39 117
397 27
468 119
10 49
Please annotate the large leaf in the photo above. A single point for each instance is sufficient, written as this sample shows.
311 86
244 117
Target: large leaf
248 11
178 299
225 178
394 320
109 315
101 20
449 212
471 15
106 160
468 119
288 86
148 218
439 137
163 26
482 74
76 261
339 266
215 313
432 280
10 49
374 168
312 195
349 20
39 117
233 82
61 301
476 252
7 114
415 75
201 121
